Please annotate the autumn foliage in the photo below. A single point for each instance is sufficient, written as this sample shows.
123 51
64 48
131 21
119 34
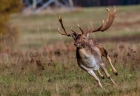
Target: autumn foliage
7 32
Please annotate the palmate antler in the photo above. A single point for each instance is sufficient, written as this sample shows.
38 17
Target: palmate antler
103 27
109 21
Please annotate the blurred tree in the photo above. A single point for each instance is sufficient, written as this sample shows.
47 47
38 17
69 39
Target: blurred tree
7 7
89 3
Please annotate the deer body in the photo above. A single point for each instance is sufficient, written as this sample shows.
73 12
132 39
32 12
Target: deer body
88 58
87 61
88 52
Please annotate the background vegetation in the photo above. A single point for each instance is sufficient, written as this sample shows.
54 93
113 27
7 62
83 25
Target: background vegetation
44 64
7 31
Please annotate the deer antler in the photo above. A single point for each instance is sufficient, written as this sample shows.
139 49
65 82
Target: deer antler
81 29
109 21
61 22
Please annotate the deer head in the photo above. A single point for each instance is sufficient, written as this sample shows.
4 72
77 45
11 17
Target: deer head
82 39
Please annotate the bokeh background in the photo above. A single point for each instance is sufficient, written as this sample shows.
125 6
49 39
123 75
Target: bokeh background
35 60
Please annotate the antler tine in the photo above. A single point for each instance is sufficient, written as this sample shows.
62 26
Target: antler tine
98 29
61 22
62 33
109 21
110 18
81 29
73 30
115 9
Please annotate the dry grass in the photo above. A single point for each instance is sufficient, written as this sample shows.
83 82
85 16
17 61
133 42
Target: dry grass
40 72
43 63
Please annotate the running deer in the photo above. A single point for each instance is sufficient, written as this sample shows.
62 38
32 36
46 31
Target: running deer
88 52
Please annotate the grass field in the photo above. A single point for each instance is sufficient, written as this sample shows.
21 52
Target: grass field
43 62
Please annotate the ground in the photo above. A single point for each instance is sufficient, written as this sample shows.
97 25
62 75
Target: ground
43 62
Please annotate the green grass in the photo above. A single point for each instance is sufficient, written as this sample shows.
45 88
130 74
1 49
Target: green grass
43 62
61 77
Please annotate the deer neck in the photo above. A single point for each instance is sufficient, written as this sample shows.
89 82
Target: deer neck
84 51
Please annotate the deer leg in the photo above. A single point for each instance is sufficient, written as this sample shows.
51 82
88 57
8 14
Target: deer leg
100 74
105 54
113 68
107 74
91 72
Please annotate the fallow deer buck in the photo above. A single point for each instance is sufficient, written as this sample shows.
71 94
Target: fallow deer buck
88 52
